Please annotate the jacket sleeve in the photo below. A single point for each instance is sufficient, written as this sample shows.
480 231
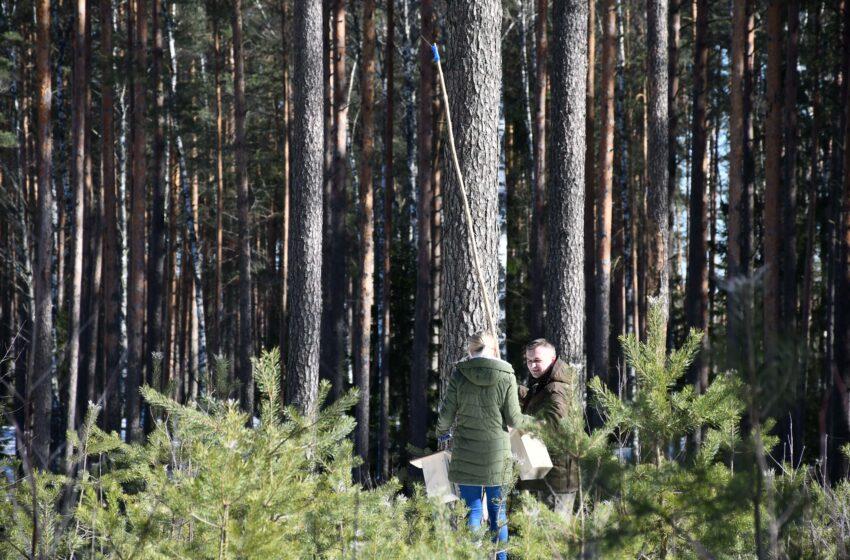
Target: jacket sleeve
510 407
448 408
557 406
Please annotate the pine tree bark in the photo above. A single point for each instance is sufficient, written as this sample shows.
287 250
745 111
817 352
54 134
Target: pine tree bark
604 196
78 125
696 285
658 281
424 204
284 222
565 287
366 276
843 272
39 386
246 339
136 280
474 71
305 243
773 182
538 235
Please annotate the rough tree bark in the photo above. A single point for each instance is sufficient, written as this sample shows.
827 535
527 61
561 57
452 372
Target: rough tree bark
565 287
658 283
474 73
305 243
424 203
246 339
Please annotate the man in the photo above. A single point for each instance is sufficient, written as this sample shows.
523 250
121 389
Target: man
551 396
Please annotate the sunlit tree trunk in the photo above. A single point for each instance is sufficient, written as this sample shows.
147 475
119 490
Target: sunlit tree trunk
306 240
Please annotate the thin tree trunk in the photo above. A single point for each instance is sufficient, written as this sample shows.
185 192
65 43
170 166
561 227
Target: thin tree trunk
792 433
389 199
674 29
39 386
773 182
136 282
843 277
658 281
156 239
740 212
284 223
333 342
566 293
78 237
538 239
246 340
604 199
219 189
696 286
589 192
306 240
366 265
473 40
424 205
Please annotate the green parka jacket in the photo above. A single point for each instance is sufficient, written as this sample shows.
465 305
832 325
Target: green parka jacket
482 397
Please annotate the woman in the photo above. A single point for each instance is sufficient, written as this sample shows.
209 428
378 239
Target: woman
482 398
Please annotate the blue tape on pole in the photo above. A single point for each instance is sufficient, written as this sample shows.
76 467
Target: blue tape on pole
436 53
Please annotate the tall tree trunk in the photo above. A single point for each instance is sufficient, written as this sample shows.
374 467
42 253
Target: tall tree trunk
696 285
284 222
111 245
674 30
740 211
474 41
333 340
219 190
792 433
424 205
539 237
39 386
366 265
658 282
843 277
565 288
604 199
589 192
136 280
773 182
306 240
78 238
246 339
389 199
156 243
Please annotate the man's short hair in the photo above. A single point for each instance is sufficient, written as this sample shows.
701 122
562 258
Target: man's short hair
539 343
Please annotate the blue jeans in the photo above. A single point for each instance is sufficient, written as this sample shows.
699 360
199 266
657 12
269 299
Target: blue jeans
495 510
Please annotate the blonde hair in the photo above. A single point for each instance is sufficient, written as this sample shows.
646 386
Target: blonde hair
481 341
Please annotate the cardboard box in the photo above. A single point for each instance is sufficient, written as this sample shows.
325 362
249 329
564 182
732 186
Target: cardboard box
435 469
531 455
